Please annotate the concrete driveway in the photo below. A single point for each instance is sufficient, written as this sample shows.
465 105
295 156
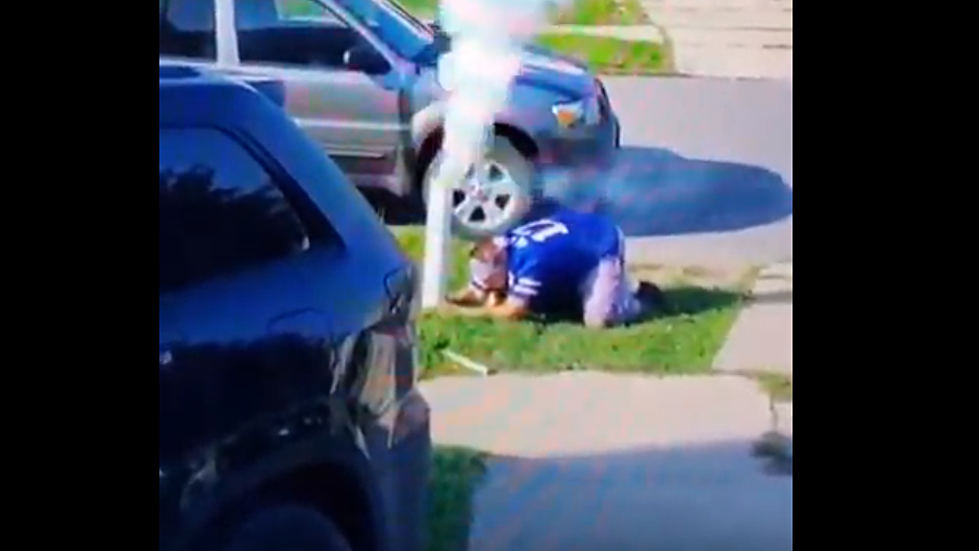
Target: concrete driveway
593 462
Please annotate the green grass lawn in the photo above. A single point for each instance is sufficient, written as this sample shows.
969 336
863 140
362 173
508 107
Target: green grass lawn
683 340
424 9
611 55
779 387
581 12
602 12
455 475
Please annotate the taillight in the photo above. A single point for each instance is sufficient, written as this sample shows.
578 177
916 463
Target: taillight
399 284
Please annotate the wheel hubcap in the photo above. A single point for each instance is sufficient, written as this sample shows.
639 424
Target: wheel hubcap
487 197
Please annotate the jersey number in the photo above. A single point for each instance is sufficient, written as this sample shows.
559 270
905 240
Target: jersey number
538 231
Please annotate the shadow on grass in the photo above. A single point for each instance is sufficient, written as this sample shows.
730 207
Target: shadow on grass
455 476
679 300
690 300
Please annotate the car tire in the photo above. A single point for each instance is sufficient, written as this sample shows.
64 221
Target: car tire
523 180
289 528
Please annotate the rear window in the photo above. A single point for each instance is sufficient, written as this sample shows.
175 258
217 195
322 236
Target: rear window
220 210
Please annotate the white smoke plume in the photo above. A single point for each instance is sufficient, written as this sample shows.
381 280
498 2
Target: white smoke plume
487 39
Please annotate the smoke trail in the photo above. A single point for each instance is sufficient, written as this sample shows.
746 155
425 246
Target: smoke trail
485 56
487 40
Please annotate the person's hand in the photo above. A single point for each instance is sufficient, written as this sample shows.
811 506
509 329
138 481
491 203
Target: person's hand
494 299
467 298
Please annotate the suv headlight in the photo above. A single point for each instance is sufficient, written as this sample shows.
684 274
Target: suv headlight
574 113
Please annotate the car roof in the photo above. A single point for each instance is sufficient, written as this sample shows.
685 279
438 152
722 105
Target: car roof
192 96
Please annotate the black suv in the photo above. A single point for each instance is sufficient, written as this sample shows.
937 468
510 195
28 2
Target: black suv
289 414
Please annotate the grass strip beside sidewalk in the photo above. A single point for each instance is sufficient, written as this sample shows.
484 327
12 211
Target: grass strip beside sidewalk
602 12
610 55
579 12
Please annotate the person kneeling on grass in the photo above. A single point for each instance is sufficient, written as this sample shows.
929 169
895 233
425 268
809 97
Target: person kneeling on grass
561 262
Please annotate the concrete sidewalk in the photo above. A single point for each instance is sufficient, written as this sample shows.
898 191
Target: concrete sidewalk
592 461
727 38
716 38
761 339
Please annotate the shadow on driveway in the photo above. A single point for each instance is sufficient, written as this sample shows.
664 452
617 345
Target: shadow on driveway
708 497
654 192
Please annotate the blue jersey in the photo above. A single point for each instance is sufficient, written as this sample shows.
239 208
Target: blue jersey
549 257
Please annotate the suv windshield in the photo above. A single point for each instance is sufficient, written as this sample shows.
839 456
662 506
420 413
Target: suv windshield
400 30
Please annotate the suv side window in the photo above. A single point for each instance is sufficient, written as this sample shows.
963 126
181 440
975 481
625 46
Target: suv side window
301 33
187 29
284 11
220 210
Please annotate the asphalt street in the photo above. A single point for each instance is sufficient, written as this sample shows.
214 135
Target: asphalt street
705 173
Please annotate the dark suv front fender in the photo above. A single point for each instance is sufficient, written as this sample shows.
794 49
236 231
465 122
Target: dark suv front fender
197 503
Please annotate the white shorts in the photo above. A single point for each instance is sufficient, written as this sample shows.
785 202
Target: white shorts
608 295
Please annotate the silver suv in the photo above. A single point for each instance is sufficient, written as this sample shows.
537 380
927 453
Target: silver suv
361 80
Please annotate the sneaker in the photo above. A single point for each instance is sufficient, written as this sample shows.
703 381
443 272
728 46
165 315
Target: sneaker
650 296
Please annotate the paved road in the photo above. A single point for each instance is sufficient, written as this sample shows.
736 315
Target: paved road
593 462
700 155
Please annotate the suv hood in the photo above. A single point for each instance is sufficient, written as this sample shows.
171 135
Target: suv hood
541 68
562 74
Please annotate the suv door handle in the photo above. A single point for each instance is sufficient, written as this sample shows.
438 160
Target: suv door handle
167 340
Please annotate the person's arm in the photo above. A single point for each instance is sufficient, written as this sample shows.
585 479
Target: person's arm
516 303
525 284
510 308
474 294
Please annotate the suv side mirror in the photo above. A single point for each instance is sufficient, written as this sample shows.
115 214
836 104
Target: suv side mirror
364 58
